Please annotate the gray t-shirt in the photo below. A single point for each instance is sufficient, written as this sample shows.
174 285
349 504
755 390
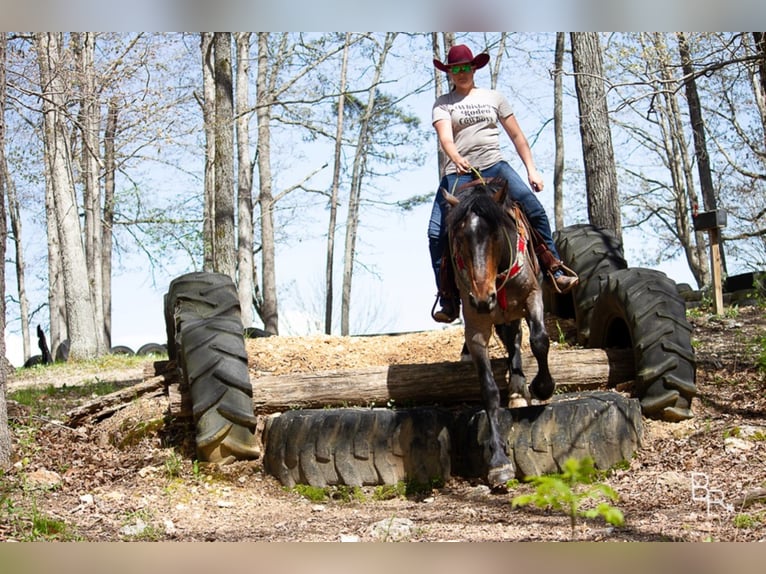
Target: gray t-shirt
475 125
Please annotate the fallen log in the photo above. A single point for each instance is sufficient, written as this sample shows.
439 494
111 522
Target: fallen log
105 406
436 383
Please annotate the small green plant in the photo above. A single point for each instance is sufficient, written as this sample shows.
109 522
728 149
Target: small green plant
748 521
570 490
390 491
173 465
47 528
312 493
761 358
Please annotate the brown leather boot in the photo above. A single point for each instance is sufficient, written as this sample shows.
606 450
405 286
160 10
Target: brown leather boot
564 283
449 312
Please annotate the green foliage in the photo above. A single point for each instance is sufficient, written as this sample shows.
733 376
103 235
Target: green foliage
341 493
173 465
761 358
390 491
749 521
569 491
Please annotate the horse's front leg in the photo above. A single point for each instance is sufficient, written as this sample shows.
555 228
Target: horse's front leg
543 385
501 468
510 335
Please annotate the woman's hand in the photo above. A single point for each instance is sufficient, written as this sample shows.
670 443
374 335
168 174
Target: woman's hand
535 180
462 165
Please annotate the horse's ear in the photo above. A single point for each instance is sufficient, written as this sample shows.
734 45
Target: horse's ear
451 199
500 194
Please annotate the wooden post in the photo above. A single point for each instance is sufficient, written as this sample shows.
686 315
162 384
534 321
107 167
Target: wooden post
712 222
715 269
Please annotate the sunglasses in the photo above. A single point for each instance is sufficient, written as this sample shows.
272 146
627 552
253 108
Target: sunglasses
461 68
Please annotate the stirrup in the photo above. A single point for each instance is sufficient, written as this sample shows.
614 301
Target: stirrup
559 266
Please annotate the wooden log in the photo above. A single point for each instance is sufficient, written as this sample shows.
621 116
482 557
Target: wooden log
106 405
437 383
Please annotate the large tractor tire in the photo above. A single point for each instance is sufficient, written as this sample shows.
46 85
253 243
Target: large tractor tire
592 253
205 338
357 447
603 425
642 309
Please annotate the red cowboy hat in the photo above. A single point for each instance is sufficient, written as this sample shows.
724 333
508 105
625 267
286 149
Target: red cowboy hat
461 54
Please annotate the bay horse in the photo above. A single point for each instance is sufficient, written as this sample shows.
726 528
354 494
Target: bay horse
497 275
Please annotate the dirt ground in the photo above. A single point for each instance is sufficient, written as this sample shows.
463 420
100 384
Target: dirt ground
133 475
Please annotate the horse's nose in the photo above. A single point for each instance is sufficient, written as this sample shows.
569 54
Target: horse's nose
484 304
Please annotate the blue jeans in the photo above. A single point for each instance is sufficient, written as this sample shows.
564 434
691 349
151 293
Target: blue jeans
517 191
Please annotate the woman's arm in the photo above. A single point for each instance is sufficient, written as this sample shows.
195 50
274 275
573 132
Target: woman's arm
447 142
521 144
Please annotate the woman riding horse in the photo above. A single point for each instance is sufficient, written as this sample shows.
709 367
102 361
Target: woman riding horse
466 122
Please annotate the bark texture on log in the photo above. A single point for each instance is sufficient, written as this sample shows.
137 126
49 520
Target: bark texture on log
441 383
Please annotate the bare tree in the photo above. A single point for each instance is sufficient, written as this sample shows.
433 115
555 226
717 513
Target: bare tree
223 232
558 129
14 216
265 87
598 155
81 325
84 46
110 167
337 161
245 263
5 434
208 115
357 177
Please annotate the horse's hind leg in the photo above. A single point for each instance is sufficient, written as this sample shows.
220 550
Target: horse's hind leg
543 385
510 335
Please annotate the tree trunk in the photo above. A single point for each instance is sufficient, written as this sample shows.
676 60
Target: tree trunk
679 165
598 154
81 325
329 287
359 168
760 48
703 159
446 383
268 311
5 434
108 224
208 114
14 216
84 48
223 235
245 276
558 130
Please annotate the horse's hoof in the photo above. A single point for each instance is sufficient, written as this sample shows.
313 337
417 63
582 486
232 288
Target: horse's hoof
498 477
517 401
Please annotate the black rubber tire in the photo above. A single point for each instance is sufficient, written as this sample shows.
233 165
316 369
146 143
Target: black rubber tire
62 352
642 309
603 425
121 350
152 349
205 334
592 253
357 447
34 360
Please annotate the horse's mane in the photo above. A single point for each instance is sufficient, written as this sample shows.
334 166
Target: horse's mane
478 199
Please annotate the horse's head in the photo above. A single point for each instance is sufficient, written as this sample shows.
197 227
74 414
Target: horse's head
480 240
